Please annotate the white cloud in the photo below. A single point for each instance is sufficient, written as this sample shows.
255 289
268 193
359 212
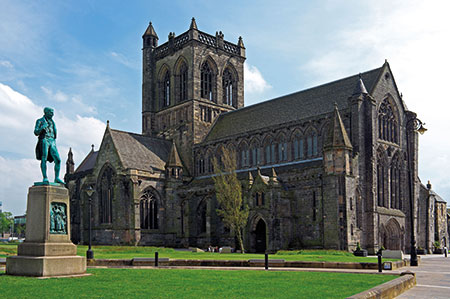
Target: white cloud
19 169
59 96
124 60
6 63
254 81
413 36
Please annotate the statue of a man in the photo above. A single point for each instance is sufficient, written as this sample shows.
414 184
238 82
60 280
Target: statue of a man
46 147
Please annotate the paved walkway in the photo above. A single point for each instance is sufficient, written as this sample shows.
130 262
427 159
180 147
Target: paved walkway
433 278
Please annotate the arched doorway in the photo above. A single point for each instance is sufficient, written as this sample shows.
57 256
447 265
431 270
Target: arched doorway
260 236
392 238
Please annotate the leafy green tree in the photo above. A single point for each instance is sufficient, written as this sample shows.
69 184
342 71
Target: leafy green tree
6 222
232 209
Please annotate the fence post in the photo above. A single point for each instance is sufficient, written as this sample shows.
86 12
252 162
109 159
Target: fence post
266 261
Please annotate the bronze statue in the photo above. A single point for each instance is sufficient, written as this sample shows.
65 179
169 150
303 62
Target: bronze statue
46 147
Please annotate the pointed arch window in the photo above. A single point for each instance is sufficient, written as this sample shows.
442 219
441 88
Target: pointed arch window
228 85
183 79
396 183
206 81
148 208
106 195
387 122
165 90
202 216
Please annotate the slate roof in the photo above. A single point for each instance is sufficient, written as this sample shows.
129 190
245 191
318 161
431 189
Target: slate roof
88 162
300 105
141 152
437 197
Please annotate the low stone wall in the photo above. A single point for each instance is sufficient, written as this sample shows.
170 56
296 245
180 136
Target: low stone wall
238 263
390 289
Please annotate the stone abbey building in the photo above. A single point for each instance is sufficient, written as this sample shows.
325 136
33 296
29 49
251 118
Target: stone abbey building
325 167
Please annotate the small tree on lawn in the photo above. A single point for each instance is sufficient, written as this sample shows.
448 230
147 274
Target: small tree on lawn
6 221
232 209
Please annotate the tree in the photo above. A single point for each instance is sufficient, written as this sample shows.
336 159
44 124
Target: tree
232 209
6 221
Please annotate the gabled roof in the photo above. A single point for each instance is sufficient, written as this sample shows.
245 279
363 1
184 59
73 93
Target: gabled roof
140 152
300 105
88 162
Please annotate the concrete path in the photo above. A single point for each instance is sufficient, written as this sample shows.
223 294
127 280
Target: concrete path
433 278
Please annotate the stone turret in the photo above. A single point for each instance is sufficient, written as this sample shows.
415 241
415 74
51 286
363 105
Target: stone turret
70 165
174 166
337 147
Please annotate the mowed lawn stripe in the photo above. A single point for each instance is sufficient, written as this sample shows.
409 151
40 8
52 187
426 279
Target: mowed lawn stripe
184 283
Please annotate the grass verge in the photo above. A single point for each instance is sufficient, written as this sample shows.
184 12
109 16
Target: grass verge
174 283
129 252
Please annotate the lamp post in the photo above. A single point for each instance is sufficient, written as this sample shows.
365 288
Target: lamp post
412 125
89 252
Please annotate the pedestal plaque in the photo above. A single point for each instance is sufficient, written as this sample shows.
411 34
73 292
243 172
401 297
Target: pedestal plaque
47 249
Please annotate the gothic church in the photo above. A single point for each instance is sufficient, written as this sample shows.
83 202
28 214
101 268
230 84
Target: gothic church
325 167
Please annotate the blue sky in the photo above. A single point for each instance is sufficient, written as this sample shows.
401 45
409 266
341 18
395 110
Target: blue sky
84 59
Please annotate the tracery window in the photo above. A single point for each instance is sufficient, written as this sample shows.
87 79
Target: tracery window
201 216
396 183
106 195
270 153
255 152
387 123
148 208
299 148
182 82
228 86
382 181
282 151
166 90
245 155
206 81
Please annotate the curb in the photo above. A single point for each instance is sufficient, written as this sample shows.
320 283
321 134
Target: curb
390 289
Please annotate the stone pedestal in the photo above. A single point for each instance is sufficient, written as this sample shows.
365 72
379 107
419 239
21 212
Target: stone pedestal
47 250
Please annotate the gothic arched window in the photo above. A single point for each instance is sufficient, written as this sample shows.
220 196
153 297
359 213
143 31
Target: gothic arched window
106 195
282 149
201 216
387 122
207 77
148 208
382 181
269 151
182 83
166 90
395 183
228 86
298 146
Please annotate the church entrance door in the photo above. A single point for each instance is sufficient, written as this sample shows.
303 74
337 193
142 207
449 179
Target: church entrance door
392 238
260 236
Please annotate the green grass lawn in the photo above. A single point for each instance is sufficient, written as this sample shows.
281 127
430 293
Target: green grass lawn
128 252
172 283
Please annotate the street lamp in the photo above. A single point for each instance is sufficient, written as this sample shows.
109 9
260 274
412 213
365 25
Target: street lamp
412 125
89 252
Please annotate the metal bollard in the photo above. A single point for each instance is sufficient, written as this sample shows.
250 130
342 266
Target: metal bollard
266 261
380 264
156 258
